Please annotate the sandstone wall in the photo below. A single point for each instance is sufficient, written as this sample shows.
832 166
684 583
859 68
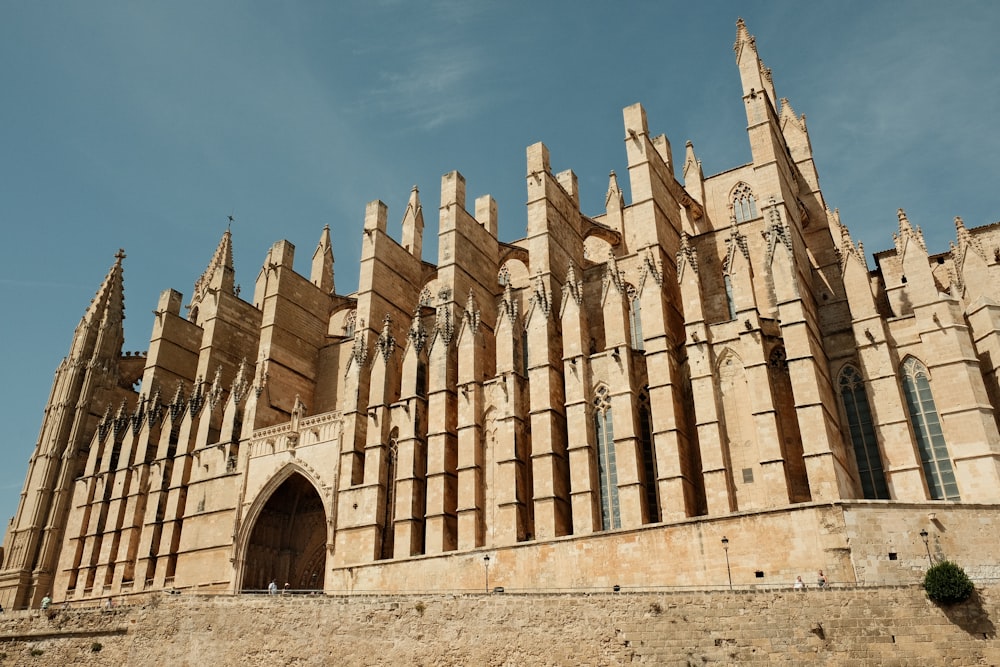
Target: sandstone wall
862 626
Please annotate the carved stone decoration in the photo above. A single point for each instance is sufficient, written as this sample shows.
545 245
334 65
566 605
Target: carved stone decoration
686 254
508 303
777 231
104 426
178 403
122 418
846 249
197 400
240 383
139 416
906 231
652 265
613 275
573 286
260 381
541 296
386 343
155 409
417 333
736 242
215 393
360 349
444 326
472 314
966 242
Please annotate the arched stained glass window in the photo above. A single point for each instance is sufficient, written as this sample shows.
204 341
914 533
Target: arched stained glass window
744 204
648 456
927 428
607 469
854 398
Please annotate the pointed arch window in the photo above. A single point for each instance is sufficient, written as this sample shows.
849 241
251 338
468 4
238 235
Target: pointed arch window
635 318
933 449
349 324
607 468
744 204
854 399
648 456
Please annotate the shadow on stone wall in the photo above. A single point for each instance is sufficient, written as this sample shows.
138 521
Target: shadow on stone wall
971 616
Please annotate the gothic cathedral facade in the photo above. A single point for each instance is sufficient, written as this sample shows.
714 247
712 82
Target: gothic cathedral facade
711 369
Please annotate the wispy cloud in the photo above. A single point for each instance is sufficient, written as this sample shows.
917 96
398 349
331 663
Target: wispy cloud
430 89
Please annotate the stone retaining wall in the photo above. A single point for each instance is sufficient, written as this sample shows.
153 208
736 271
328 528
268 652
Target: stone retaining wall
862 626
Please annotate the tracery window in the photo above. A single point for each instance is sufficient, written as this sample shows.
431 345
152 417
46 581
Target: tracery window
648 457
607 469
349 323
927 428
744 204
854 398
635 318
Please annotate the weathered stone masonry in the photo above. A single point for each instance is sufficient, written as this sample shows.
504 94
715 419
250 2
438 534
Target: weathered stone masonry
598 402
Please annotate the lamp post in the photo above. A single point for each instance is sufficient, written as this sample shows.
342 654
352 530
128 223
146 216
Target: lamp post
924 536
729 572
486 562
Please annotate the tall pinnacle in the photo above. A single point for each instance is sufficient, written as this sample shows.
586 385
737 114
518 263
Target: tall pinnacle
322 263
101 331
219 275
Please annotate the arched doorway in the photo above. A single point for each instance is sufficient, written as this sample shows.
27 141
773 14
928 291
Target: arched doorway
288 540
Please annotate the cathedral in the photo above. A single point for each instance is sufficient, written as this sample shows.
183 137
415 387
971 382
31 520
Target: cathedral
705 385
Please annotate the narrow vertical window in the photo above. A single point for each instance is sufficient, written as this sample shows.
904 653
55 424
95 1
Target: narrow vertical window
927 428
421 377
648 456
349 324
389 511
854 398
635 319
607 469
730 302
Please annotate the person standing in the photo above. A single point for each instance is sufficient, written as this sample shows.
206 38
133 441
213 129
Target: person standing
821 579
272 588
799 584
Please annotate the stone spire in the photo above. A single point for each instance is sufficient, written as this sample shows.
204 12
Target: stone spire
755 76
413 224
100 333
219 275
322 263
907 232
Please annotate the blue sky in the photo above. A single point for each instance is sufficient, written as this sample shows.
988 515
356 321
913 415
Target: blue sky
144 125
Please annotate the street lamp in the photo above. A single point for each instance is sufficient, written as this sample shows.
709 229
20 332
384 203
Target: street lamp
729 572
486 562
924 536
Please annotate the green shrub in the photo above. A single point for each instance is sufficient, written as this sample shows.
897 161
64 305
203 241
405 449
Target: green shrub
946 582
96 647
